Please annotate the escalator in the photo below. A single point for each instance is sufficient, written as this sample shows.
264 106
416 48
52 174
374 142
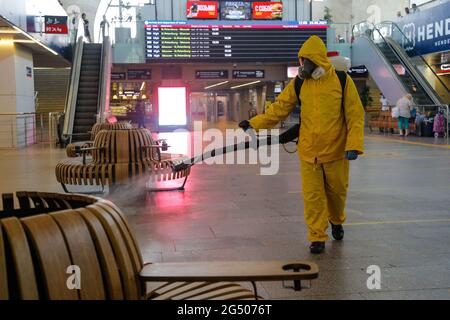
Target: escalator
404 75
394 66
89 82
88 92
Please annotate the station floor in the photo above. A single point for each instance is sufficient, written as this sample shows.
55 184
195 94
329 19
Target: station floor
398 218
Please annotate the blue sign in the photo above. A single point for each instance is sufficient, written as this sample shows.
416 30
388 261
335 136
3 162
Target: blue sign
427 31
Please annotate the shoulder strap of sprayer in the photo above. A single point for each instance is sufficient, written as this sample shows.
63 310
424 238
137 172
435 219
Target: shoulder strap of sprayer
342 75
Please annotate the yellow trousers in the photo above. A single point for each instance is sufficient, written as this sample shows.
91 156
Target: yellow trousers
324 189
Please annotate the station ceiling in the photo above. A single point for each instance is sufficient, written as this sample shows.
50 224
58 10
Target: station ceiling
43 56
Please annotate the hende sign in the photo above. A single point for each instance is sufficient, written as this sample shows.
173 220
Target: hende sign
427 31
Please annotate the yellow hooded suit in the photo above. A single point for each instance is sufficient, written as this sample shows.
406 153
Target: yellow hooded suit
325 136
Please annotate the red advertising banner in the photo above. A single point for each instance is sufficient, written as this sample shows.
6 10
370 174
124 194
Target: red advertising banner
56 24
202 9
267 10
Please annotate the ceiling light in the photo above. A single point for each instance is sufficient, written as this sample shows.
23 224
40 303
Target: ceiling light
245 84
217 84
35 40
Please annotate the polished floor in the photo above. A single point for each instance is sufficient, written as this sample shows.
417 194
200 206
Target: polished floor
398 217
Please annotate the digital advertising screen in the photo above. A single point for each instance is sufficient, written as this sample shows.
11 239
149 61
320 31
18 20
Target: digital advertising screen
172 106
202 10
267 10
183 41
235 10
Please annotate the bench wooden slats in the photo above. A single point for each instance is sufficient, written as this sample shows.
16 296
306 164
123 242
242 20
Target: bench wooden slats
8 201
82 252
93 234
120 155
3 276
129 276
109 267
53 260
24 275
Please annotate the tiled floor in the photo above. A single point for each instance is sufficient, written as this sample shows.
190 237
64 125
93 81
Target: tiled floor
398 217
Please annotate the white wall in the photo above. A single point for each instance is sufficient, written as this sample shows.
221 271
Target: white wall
7 78
24 84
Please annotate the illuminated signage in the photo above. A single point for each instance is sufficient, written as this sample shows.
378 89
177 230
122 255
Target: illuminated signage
172 106
245 74
227 41
202 10
267 10
56 24
235 10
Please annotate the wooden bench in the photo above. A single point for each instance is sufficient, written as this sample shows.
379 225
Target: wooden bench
385 123
73 149
119 157
51 235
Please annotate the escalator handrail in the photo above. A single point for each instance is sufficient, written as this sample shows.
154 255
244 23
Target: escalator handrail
414 73
104 76
72 95
418 54
371 38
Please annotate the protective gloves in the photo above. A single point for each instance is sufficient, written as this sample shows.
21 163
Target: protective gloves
245 125
351 154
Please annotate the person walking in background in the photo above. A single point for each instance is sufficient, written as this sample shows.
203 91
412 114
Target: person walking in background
87 33
404 106
140 113
399 14
384 103
415 8
251 111
407 11
104 26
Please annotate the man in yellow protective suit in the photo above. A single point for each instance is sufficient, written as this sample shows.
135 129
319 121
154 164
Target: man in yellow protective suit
331 134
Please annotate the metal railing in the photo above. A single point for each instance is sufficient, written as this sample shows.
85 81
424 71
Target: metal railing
19 130
22 129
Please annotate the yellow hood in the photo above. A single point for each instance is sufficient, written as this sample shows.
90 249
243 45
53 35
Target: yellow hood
315 50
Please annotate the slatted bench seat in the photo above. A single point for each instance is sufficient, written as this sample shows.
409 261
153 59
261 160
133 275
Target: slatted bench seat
118 157
51 231
72 149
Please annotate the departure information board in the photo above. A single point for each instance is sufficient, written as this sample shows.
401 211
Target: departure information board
182 41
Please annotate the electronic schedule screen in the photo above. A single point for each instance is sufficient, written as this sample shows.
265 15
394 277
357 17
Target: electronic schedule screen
172 41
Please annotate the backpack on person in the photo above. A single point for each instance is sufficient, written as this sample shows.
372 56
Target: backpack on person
293 132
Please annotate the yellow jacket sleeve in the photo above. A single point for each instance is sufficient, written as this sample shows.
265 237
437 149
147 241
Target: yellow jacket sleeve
277 111
354 116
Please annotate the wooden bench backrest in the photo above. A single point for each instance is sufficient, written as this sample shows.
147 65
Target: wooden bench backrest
4 295
96 238
96 128
123 146
21 277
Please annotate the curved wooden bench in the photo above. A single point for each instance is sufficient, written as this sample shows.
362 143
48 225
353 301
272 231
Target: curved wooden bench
92 234
119 156
73 149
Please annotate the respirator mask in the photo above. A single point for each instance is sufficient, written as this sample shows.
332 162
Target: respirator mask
309 70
